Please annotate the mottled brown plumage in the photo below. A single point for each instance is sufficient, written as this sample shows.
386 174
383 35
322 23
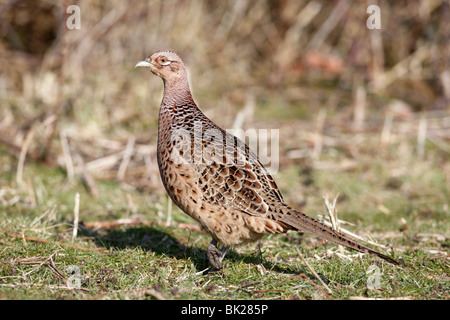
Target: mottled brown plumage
215 178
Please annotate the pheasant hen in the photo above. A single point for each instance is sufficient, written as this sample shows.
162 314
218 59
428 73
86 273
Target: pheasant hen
216 179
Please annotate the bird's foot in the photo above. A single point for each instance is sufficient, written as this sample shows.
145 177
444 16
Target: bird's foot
215 256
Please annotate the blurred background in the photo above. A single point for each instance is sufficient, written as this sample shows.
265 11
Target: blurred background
344 97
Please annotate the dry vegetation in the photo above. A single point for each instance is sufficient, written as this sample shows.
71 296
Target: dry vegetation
363 113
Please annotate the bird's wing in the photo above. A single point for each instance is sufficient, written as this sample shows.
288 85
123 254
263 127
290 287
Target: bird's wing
231 175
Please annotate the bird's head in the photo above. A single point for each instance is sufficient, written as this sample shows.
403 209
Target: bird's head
166 64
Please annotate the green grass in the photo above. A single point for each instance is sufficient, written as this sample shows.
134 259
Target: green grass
136 261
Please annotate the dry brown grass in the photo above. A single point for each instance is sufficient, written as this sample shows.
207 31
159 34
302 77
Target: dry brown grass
373 105
291 57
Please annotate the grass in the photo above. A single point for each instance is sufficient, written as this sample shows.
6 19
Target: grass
154 260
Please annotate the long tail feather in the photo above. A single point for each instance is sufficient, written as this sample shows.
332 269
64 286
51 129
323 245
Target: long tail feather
304 223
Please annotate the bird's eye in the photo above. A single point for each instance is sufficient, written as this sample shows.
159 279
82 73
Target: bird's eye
162 60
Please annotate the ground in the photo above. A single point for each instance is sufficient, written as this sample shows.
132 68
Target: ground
128 246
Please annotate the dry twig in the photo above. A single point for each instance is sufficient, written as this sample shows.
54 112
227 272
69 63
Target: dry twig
52 242
76 213
313 271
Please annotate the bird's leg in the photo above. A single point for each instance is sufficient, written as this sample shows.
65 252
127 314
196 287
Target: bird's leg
216 255
258 252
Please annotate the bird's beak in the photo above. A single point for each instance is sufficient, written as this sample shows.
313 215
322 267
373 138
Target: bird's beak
143 63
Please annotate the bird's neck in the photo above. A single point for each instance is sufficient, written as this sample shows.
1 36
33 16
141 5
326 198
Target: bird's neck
177 93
